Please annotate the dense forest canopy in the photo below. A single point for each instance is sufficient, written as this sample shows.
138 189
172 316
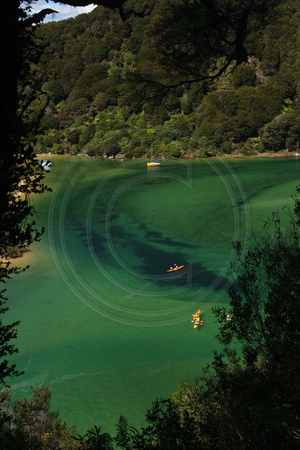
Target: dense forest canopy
192 79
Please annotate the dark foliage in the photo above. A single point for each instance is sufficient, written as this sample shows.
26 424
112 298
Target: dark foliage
214 63
20 175
95 440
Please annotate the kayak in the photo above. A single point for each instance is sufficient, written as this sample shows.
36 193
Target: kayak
175 268
196 319
198 322
196 315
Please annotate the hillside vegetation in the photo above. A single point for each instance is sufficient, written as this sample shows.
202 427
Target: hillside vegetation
112 88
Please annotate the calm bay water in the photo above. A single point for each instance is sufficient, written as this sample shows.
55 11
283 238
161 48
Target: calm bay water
102 323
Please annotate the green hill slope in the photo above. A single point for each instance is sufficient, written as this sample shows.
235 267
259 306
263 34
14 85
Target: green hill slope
124 88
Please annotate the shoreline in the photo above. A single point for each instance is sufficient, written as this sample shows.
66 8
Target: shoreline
281 154
23 260
121 157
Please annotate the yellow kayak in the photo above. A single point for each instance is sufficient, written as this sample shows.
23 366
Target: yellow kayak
196 319
196 315
175 268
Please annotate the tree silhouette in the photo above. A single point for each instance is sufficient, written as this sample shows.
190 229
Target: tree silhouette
141 10
20 175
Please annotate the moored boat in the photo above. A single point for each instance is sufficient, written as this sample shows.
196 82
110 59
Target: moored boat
45 164
153 163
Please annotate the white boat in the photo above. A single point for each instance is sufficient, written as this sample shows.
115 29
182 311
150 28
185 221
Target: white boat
45 164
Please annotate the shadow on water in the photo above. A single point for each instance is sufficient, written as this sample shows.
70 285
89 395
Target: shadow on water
153 262
144 253
157 237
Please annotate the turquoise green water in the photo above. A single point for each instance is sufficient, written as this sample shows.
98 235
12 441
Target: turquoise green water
102 323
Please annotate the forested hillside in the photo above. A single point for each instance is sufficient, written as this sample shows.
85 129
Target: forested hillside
110 88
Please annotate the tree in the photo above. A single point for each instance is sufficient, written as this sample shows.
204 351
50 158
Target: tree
264 321
95 440
140 11
20 175
196 42
190 42
7 333
278 134
248 397
30 424
166 429
266 300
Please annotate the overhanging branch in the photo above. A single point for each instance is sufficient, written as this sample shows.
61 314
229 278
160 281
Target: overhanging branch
112 4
